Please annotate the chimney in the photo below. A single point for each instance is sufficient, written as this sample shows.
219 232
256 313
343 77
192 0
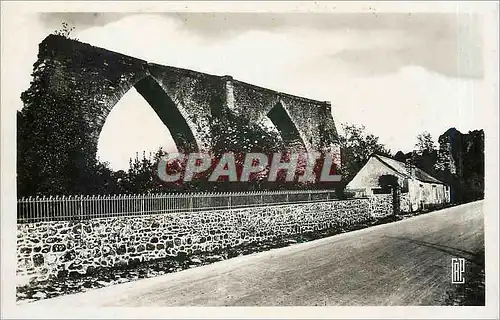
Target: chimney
410 168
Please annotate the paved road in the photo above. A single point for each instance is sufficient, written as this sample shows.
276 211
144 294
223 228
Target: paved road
402 263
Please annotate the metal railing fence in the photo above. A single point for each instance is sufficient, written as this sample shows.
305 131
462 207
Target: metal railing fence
53 208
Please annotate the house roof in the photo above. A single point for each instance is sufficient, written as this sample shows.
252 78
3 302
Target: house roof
400 167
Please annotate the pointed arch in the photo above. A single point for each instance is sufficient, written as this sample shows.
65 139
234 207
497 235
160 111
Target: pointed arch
165 108
289 132
169 113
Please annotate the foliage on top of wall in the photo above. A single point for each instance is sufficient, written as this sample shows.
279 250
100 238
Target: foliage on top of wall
65 31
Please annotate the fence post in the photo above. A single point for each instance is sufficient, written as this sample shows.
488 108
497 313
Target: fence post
190 204
79 216
81 230
99 206
142 204
37 208
80 212
229 202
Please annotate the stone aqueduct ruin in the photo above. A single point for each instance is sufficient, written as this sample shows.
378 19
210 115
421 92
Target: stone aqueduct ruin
189 103
76 86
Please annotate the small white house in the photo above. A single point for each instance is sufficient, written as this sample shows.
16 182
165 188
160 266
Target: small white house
418 188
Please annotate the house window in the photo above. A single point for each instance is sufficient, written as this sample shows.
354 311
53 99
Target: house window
433 185
421 185
446 188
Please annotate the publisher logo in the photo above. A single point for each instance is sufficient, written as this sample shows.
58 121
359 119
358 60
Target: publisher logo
457 270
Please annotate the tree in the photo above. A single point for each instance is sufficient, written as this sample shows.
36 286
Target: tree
400 156
142 175
356 147
425 155
425 143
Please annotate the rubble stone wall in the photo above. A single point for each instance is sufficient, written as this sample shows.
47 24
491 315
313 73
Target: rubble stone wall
46 248
381 205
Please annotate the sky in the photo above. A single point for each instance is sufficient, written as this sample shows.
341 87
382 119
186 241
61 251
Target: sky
398 74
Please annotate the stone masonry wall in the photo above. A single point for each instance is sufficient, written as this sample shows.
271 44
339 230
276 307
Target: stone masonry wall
405 202
46 248
381 205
